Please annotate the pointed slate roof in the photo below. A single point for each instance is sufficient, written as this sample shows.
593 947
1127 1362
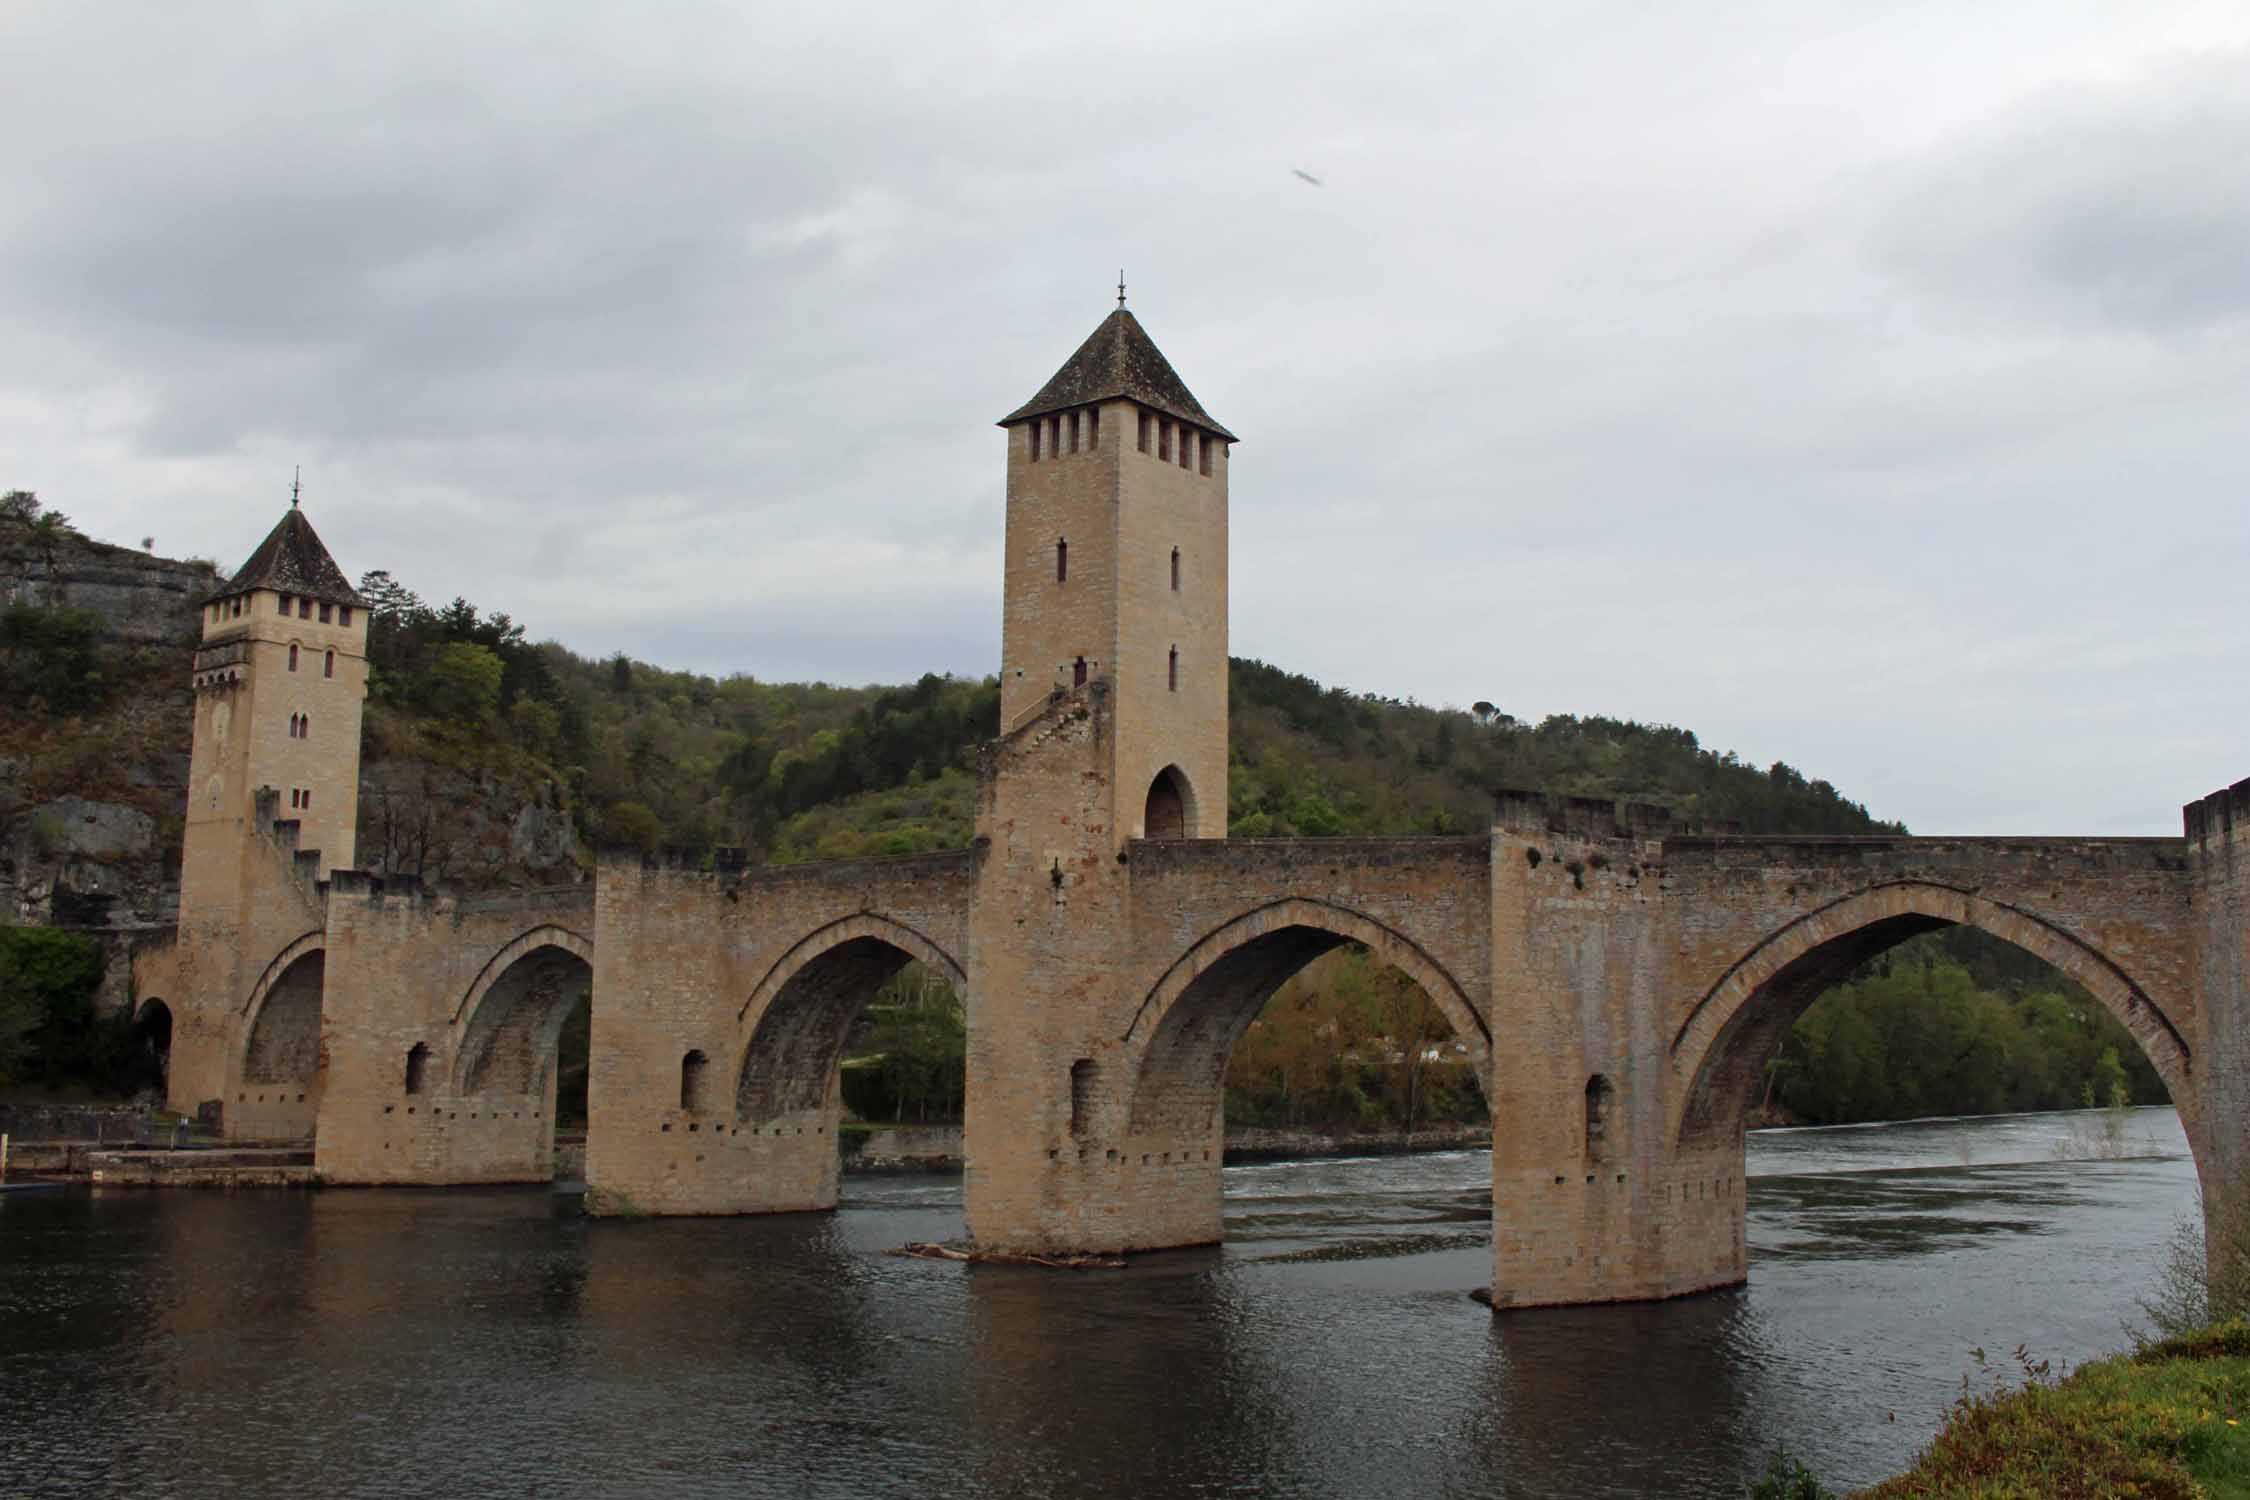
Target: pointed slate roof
292 560
1120 359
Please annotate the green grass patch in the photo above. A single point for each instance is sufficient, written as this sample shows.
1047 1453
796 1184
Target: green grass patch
2170 1420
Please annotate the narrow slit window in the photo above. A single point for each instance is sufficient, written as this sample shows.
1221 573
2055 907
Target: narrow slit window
1054 434
326 612
1164 442
308 797
1062 561
1187 448
1078 673
285 604
292 656
304 609
1175 570
344 611
328 667
1145 424
1081 1098
1600 1096
1172 671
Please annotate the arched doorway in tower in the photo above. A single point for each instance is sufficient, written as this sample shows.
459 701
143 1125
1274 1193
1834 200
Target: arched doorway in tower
1943 1015
1169 811
151 1046
864 1037
520 1069
277 1092
1298 1021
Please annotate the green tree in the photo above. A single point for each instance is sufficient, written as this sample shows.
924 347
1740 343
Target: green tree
465 680
48 1027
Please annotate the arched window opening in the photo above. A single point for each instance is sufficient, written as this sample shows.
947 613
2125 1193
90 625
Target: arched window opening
1166 814
692 1070
1601 1100
292 656
1062 561
328 667
152 1042
1081 1098
1078 673
417 1067
1172 671
1175 570
304 726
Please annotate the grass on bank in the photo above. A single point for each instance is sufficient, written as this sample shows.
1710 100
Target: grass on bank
2165 1421
2170 1421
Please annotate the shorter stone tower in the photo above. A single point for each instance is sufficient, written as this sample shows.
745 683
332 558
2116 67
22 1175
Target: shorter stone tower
273 794
280 679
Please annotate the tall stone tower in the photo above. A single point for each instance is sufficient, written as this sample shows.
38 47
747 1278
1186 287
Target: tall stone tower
273 789
1117 572
1113 728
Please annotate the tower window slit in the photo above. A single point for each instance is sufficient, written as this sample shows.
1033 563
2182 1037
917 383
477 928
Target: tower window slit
1074 432
417 1067
1172 672
1145 425
1093 428
1164 442
344 611
1062 561
326 611
1187 444
1175 570
292 657
328 667
304 609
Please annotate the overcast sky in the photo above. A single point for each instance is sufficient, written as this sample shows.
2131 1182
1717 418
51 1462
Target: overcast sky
1864 386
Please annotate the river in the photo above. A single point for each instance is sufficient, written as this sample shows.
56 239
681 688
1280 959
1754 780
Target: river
394 1343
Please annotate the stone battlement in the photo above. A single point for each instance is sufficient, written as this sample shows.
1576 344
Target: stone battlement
2222 815
1524 812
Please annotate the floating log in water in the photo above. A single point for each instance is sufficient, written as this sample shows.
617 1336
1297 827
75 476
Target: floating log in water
927 1250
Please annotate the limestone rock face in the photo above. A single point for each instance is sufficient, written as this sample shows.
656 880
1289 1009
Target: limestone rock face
143 599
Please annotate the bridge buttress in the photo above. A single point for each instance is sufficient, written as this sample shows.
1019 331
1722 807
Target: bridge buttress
2218 836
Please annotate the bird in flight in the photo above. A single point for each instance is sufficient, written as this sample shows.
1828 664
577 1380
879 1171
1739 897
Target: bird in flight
1307 176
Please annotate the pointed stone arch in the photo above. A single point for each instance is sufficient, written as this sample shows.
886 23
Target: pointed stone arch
790 1032
1178 1042
513 1012
1169 810
1721 1045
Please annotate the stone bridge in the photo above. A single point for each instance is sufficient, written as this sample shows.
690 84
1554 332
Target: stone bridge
1620 982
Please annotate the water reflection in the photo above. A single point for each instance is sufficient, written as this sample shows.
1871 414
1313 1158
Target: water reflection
402 1343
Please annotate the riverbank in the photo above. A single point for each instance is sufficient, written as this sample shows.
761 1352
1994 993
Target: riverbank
2169 1420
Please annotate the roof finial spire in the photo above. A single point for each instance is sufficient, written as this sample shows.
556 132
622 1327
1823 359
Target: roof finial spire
296 485
1120 288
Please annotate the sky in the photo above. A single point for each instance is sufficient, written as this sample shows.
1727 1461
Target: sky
1865 387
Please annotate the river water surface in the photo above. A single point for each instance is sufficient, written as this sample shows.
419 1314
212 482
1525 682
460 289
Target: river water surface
397 1343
